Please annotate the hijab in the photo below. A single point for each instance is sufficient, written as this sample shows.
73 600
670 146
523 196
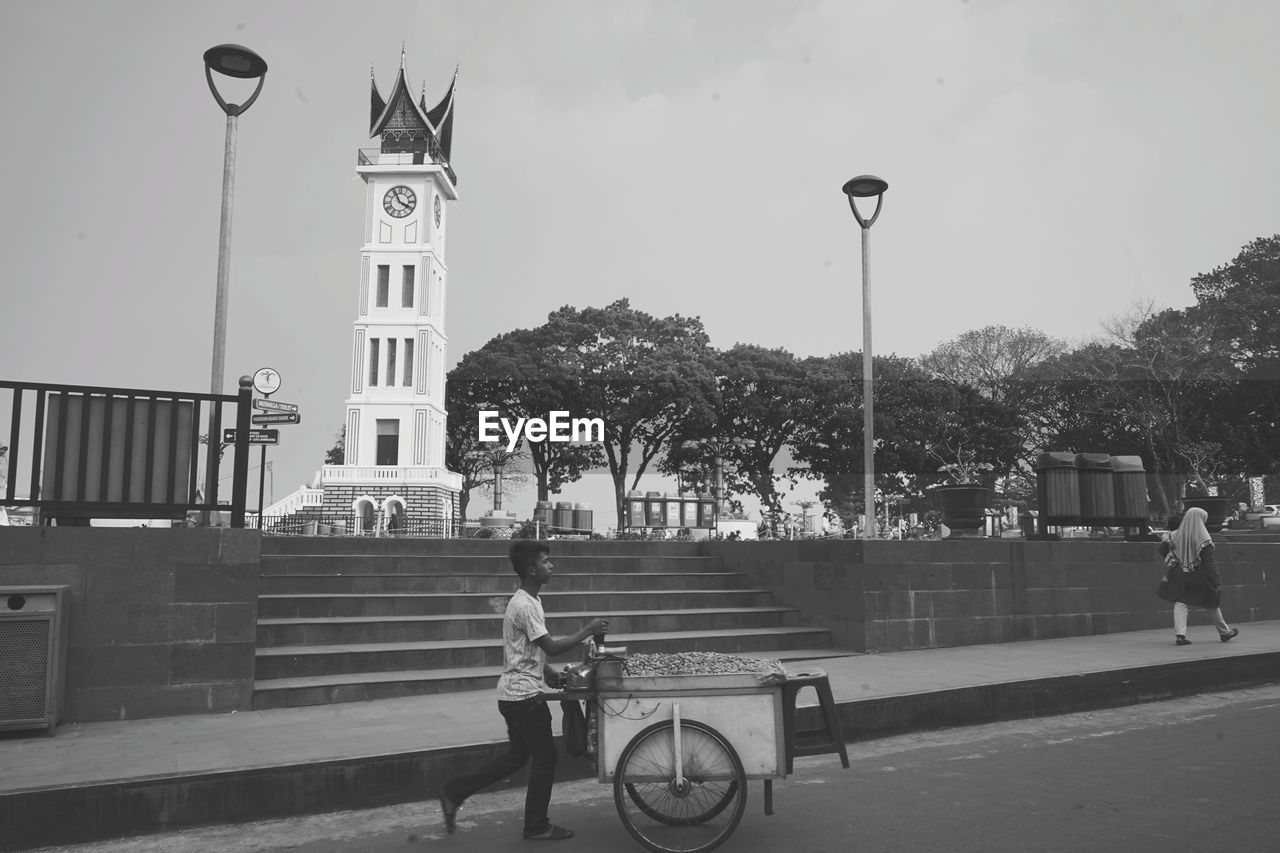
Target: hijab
1190 537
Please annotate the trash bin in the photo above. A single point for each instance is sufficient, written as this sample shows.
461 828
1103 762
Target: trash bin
706 510
671 511
582 518
654 510
562 515
1027 524
688 511
1057 489
635 509
33 649
1129 481
542 513
1097 494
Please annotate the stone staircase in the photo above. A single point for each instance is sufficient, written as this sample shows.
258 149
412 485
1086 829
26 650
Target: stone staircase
349 619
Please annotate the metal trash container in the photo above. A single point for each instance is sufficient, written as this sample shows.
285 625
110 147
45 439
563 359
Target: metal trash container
542 512
562 515
655 510
688 511
582 521
1097 494
1129 481
706 510
33 656
635 509
1057 489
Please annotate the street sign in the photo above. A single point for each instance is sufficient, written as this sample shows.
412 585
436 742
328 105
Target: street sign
277 418
256 436
274 405
266 381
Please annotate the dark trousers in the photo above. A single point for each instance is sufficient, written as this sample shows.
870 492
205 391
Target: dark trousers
528 740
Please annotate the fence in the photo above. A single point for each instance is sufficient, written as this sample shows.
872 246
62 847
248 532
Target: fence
92 452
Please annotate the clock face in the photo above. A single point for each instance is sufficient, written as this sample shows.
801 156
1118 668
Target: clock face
437 211
399 201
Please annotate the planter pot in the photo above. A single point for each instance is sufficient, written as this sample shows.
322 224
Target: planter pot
963 508
1218 509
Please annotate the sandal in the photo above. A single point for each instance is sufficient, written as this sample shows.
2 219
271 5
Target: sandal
551 833
449 809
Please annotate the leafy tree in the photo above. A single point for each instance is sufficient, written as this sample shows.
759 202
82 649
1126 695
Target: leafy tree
464 453
527 377
762 397
646 377
914 413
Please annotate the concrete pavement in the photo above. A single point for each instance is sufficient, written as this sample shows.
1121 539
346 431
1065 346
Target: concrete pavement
107 779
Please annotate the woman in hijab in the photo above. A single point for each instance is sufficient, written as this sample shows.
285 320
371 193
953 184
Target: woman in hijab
1192 547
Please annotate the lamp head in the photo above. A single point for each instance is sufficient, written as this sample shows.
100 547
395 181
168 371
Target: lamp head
235 60
865 186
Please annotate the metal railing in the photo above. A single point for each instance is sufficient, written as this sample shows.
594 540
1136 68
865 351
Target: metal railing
88 451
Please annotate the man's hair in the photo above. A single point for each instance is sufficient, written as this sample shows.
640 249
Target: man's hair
524 553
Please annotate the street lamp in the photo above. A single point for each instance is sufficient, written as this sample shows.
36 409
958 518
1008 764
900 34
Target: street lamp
232 60
866 186
240 62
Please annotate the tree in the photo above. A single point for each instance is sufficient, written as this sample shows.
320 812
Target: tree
914 412
337 455
989 358
646 377
762 397
464 453
526 376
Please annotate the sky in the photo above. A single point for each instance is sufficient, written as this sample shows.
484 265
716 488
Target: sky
1050 163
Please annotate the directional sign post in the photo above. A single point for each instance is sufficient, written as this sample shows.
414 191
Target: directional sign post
256 436
274 405
277 418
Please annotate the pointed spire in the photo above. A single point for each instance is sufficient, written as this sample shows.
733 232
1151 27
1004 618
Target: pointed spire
401 56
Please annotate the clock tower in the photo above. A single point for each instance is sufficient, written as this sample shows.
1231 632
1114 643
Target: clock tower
393 476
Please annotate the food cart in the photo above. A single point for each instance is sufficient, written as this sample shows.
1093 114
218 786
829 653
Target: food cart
679 748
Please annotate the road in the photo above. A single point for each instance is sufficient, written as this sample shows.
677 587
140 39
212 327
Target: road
1196 774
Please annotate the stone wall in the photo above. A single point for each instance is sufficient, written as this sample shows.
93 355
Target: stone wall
891 595
161 621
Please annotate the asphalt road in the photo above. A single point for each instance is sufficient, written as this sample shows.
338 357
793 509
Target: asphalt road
1197 774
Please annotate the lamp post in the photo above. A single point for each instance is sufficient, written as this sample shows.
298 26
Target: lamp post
240 62
866 186
232 60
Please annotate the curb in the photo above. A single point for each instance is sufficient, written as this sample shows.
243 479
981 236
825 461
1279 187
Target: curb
83 813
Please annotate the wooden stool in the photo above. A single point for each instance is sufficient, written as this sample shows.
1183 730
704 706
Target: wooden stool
828 739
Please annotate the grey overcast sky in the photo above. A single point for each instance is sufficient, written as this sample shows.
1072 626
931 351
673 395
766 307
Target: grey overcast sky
1049 163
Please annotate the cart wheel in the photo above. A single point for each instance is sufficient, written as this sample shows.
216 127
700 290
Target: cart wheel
667 816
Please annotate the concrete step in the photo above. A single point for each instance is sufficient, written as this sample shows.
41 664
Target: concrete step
273 633
497 548
347 584
302 660
466 564
459 603
359 687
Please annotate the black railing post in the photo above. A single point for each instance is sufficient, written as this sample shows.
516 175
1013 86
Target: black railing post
240 482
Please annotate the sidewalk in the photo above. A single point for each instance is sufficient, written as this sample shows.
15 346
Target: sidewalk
98 780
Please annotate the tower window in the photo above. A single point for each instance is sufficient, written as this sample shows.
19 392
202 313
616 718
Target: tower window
388 450
391 361
374 355
384 285
408 361
406 287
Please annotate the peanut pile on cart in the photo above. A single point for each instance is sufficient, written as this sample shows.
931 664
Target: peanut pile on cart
696 663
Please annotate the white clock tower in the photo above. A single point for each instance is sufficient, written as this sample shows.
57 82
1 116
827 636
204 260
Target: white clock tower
393 475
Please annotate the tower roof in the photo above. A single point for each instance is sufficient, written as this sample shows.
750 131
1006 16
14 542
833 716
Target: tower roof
407 125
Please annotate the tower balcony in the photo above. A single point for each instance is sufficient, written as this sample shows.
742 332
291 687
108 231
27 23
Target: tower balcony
391 475
374 157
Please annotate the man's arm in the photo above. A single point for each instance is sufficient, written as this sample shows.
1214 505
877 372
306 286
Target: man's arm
558 645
